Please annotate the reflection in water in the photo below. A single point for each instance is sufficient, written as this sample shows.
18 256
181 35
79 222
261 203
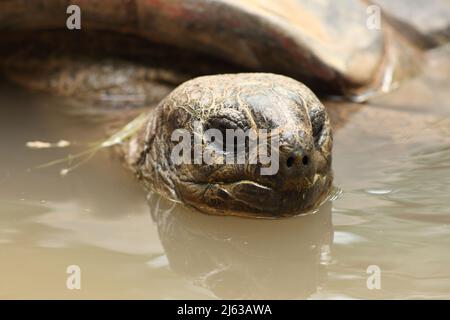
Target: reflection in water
246 258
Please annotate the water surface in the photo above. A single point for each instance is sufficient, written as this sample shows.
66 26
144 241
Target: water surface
391 163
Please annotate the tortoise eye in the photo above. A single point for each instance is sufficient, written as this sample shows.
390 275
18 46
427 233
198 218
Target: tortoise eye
221 124
229 143
317 118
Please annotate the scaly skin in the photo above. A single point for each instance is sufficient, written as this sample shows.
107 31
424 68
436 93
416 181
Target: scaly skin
244 101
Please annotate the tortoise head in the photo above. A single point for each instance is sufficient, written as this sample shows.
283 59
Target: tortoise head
254 145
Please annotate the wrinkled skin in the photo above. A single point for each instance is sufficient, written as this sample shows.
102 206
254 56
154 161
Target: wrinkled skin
244 101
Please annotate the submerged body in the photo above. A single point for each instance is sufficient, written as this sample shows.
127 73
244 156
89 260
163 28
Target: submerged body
120 90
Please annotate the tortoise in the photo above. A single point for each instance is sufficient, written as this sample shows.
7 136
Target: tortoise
226 65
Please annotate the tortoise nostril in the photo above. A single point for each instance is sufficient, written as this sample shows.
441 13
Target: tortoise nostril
305 160
295 160
290 161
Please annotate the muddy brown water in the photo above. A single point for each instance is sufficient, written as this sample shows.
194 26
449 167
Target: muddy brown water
391 163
